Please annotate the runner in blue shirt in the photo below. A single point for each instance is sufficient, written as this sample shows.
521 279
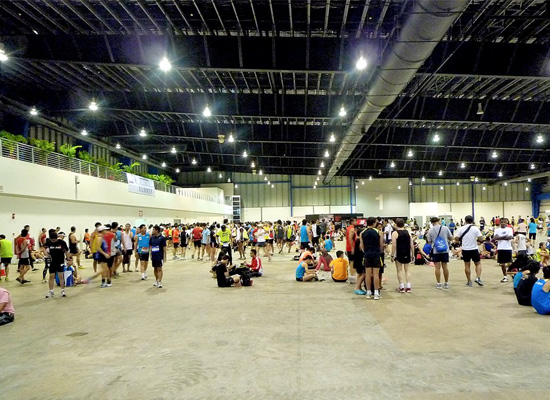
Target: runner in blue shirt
540 296
143 239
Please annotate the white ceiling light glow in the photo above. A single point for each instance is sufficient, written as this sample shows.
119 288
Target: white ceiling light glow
93 106
33 111
361 64
142 132
165 64
194 162
84 132
342 112
173 151
332 138
231 139
207 113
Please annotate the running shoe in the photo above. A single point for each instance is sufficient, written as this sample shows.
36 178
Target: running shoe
109 285
408 290
50 294
377 296
155 284
401 290
360 292
469 284
438 286
159 285
63 294
446 285
368 295
504 280
479 282
103 285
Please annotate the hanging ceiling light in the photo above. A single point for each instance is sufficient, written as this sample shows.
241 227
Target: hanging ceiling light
165 64
532 166
194 162
361 64
245 154
173 151
93 105
268 183
500 174
228 180
163 164
458 184
177 170
540 139
356 187
208 169
332 138
144 157
441 188
253 165
319 172
342 112
272 186
526 189
398 187
392 165
3 56
261 172
370 178
327 154
322 164
462 165
484 188
265 178
494 154
118 146
314 187
440 173
410 153
362 182
423 179
436 138
479 109
236 186
528 179
142 132
207 113
84 132
410 183
231 138
318 179
33 111
220 175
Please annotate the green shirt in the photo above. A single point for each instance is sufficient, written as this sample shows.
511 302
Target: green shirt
6 248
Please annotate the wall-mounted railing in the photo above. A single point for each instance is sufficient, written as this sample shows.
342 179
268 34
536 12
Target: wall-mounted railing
26 153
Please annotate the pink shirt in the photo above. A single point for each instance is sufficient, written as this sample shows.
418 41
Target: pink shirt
6 298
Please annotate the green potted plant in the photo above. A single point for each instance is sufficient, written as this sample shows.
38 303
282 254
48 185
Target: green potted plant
8 147
68 150
45 148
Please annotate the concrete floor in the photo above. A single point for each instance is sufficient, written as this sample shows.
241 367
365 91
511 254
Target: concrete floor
276 340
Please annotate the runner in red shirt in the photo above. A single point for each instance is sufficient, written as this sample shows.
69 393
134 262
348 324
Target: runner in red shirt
351 236
197 237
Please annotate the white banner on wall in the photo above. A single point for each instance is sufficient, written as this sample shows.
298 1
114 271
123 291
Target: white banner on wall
139 185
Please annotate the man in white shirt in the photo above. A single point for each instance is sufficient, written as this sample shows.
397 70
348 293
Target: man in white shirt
470 235
388 230
504 236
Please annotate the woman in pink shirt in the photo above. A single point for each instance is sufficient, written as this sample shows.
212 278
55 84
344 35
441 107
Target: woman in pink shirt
7 312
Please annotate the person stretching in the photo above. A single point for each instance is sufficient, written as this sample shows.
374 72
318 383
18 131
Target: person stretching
540 296
255 264
303 272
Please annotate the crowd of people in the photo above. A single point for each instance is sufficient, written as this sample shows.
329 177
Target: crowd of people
368 246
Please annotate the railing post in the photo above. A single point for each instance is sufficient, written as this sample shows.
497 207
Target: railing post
17 152
32 155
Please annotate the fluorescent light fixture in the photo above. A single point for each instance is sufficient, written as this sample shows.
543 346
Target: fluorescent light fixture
177 170
163 164
231 138
342 112
327 154
142 132
245 154
207 113
93 106
540 139
84 132
208 169
33 111
165 64
144 157
361 64
332 138
194 162
173 151
118 146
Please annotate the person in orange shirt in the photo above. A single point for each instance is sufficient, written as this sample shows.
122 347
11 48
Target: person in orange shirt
175 241
339 267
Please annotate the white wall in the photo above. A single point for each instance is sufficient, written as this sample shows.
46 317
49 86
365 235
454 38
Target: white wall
46 197
251 214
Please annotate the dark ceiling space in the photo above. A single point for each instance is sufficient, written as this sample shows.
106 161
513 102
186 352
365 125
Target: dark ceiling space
275 75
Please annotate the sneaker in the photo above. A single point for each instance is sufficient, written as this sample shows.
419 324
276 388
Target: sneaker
26 281
155 284
50 294
63 294
109 285
438 286
18 280
368 295
446 285
408 290
504 280
479 282
159 285
376 296
145 276
360 292
81 267
469 284
103 285
401 290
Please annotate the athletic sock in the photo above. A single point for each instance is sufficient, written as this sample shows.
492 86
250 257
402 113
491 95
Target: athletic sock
103 281
401 286
408 285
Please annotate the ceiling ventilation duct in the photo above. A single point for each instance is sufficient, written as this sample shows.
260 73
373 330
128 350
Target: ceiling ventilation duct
423 30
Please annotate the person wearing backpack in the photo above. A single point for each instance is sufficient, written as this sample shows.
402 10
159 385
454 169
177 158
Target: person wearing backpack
470 237
440 236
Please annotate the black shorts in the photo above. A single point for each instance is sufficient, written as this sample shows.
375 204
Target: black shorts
126 257
403 259
5 261
261 244
304 245
315 240
504 256
440 257
350 256
111 261
197 243
300 279
157 263
533 235
372 262
337 280
176 245
471 255
23 261
144 256
55 268
269 241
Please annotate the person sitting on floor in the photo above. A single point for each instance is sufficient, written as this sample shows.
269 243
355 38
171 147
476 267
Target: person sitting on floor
540 296
488 248
256 268
323 264
542 254
7 312
328 244
339 267
304 270
222 274
307 252
526 282
518 265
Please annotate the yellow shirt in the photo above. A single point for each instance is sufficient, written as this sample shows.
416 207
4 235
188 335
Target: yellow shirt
224 235
340 269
